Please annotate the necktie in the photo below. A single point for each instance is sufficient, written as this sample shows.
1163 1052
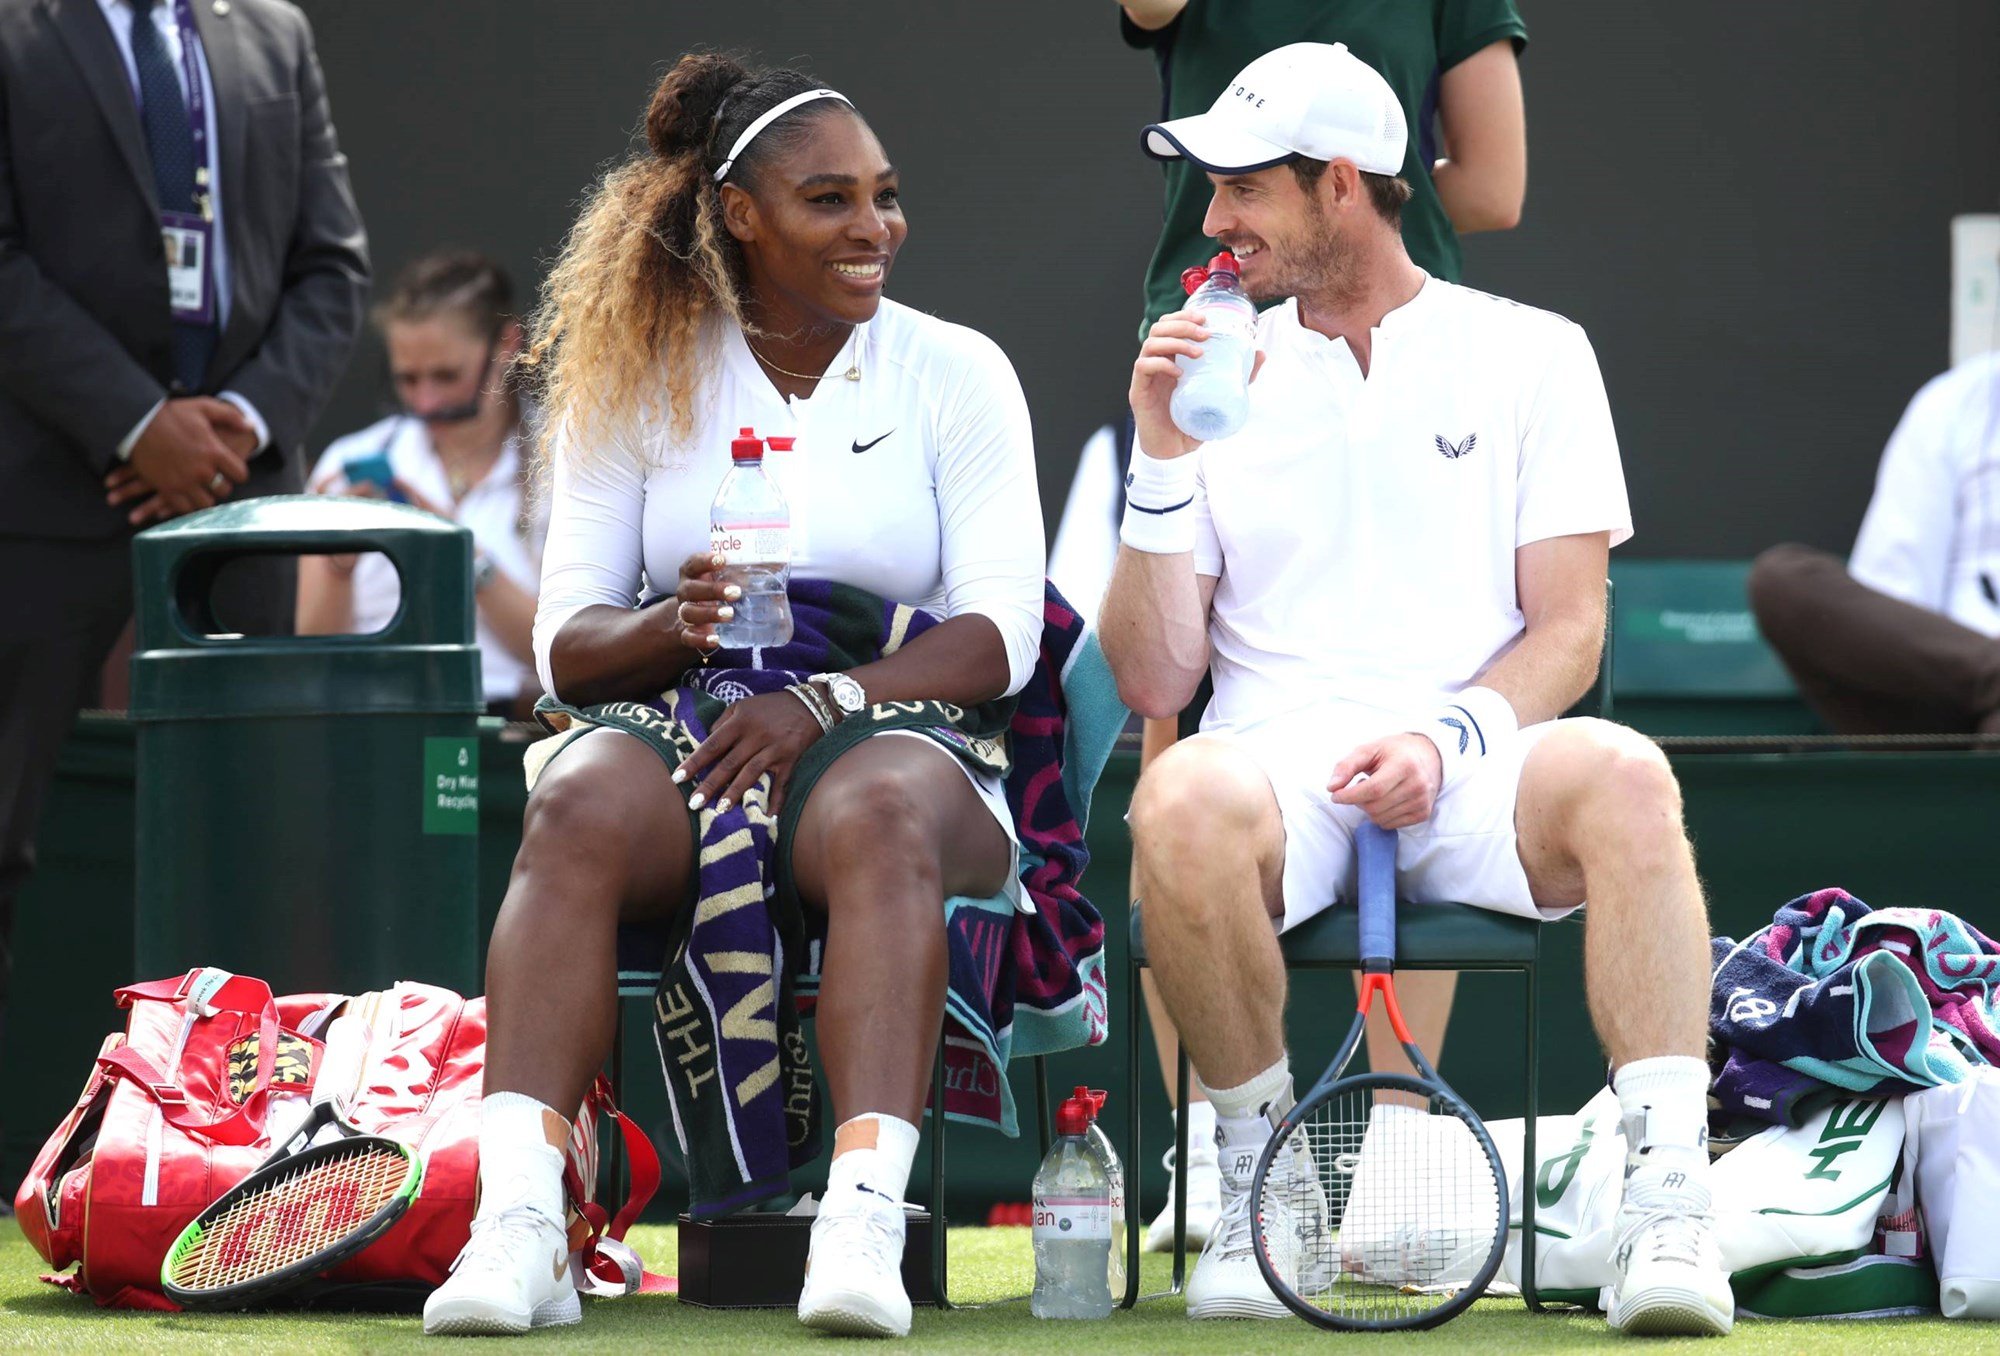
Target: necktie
170 143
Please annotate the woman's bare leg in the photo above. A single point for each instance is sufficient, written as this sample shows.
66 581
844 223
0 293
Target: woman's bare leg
606 839
893 829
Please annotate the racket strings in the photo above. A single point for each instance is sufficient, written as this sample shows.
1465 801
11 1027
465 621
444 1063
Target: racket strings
300 1212
1394 1205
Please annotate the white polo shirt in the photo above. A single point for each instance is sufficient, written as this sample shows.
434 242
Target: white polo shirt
1362 531
1932 534
491 511
915 482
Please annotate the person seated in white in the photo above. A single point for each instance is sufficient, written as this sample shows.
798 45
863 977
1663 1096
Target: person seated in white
460 449
1395 568
731 274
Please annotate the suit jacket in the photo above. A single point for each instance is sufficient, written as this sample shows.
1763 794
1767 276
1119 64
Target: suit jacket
85 326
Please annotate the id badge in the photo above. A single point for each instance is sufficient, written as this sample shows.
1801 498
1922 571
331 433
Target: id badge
186 238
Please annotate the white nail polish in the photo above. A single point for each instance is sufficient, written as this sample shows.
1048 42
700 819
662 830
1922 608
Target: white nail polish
696 801
722 805
680 775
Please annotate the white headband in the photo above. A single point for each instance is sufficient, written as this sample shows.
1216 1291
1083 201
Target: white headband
770 116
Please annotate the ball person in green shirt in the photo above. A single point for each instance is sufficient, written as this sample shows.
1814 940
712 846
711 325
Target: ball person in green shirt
1454 67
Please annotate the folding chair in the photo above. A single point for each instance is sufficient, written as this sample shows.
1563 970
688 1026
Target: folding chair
1095 717
641 956
1428 937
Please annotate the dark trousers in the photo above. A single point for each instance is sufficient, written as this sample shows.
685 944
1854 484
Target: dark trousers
62 606
1868 663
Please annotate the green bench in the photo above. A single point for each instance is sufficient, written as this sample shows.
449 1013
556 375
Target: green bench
1688 658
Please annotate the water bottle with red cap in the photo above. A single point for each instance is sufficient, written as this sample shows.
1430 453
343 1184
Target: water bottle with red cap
1212 398
1114 1172
750 526
1072 1232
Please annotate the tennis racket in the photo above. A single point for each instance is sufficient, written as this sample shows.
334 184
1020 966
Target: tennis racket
324 1195
1380 1201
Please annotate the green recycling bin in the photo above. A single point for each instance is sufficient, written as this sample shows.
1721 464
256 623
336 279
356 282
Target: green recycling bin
307 806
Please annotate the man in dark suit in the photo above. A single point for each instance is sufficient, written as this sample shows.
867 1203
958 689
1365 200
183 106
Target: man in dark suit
182 274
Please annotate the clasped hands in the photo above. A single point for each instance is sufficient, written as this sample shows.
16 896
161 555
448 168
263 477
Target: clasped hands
193 454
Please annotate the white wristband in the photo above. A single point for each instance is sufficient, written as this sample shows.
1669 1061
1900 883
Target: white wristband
1470 728
1159 504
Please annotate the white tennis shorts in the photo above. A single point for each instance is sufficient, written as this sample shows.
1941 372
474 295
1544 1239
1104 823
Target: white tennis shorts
1465 854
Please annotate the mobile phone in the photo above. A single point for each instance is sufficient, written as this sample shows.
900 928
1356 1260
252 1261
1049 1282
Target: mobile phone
372 468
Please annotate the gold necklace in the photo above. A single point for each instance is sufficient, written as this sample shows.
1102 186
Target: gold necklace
853 372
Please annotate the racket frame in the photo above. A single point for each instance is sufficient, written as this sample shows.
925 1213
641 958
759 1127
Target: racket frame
243 1294
1375 852
341 1064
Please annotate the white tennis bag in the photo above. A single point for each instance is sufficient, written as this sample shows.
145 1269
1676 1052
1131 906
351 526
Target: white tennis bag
1800 1198
1953 1154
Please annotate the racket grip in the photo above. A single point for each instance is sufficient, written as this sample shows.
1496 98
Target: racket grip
347 1038
1375 854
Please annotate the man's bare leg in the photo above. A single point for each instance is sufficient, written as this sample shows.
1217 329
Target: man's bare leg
1209 845
1208 849
1599 817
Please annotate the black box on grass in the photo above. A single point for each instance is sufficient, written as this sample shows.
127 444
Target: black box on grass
753 1261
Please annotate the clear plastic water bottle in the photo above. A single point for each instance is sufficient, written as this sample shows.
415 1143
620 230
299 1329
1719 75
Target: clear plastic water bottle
750 526
1114 1172
1212 398
1072 1230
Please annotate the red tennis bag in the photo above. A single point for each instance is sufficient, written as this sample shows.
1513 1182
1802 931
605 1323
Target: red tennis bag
179 1108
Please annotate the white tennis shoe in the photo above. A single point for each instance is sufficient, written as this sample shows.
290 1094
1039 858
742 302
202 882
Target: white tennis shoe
512 1276
1421 1207
854 1274
1670 1276
1204 1192
1227 1282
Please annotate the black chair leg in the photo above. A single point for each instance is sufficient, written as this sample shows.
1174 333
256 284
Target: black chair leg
1529 1164
1044 1115
938 1276
1180 1173
1133 1129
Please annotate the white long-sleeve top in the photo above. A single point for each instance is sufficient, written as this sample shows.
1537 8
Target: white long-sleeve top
916 482
1932 532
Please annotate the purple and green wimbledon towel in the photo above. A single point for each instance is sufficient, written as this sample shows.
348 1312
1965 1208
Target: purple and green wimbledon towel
1836 997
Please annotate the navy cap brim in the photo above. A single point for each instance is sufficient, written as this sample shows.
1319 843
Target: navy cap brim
1212 144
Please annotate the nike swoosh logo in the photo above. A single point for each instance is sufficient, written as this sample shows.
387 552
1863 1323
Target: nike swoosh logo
863 447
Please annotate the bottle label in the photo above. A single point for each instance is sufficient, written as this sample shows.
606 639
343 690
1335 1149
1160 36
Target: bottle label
1072 1219
752 543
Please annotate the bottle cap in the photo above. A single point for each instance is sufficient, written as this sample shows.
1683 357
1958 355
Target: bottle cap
747 446
781 442
1074 1115
1224 262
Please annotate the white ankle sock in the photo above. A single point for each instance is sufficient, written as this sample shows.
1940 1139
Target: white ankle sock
1664 1103
520 1161
1245 1114
883 1149
1201 1131
1267 1094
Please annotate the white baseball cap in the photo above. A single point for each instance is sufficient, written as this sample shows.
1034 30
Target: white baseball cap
1310 99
